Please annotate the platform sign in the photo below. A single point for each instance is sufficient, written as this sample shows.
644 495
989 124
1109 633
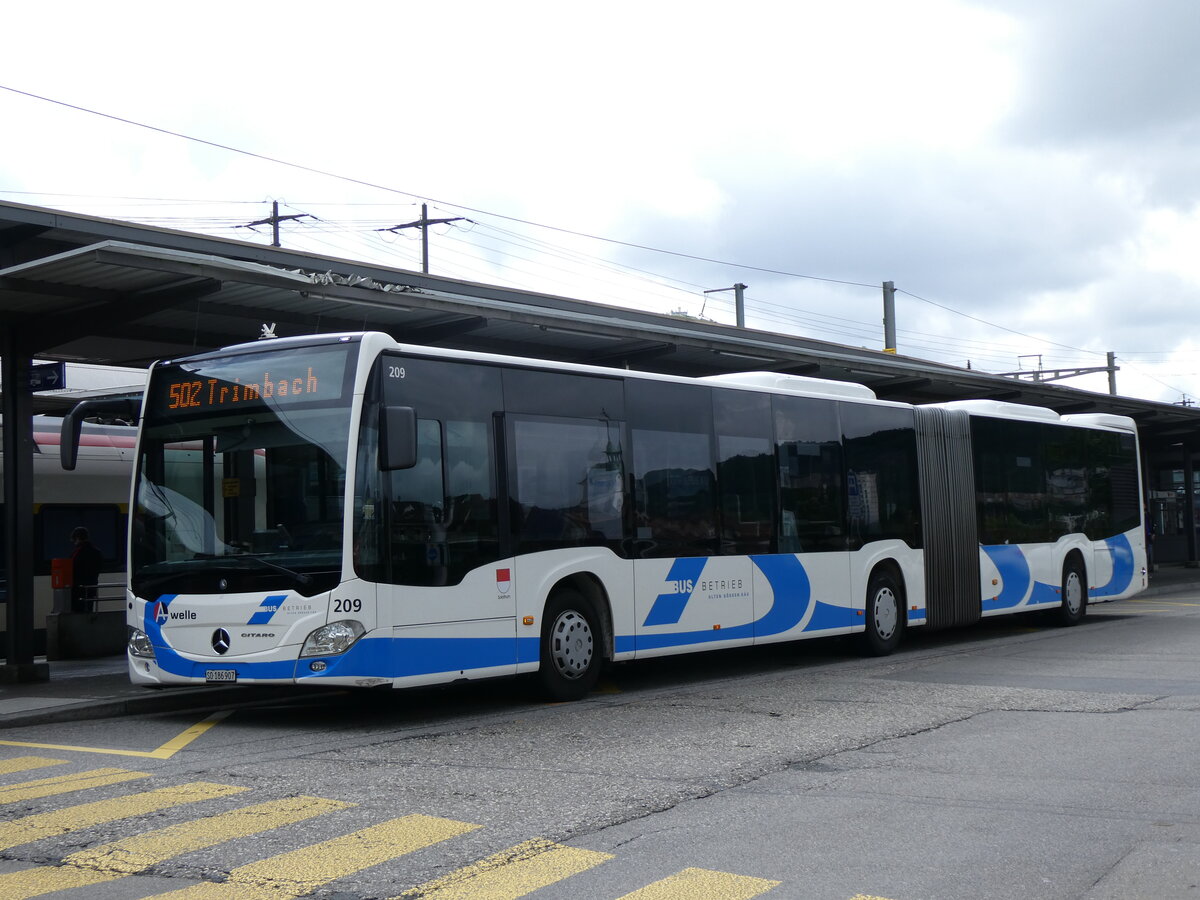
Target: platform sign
48 377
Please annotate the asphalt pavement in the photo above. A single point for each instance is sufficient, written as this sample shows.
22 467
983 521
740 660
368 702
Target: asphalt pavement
100 688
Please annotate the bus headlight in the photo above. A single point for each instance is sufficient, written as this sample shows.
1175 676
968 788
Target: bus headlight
332 639
139 644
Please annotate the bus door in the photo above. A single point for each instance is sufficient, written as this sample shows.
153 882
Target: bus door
436 525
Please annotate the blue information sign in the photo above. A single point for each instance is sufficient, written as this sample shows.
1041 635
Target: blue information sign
49 377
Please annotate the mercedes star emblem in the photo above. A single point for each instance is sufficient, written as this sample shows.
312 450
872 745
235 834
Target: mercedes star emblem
220 640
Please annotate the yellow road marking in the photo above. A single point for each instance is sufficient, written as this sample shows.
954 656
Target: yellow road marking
64 784
302 871
703 884
166 751
511 873
85 815
110 862
25 763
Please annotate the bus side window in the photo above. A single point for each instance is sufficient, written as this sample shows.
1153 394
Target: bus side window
416 541
745 471
809 456
674 470
570 483
881 474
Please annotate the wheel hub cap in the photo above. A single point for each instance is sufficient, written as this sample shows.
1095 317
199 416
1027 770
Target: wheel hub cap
571 644
886 612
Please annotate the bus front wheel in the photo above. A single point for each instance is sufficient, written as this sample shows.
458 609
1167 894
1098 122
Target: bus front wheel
570 655
1074 594
884 612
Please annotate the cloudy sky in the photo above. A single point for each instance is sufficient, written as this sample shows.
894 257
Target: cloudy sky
1026 172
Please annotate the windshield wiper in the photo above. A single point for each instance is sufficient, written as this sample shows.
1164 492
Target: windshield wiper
301 578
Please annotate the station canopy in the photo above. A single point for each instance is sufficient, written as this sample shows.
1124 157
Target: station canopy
84 289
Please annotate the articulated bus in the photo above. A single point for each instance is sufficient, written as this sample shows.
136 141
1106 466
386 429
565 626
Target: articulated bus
347 510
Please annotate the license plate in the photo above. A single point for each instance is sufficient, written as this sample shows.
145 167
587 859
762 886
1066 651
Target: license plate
221 675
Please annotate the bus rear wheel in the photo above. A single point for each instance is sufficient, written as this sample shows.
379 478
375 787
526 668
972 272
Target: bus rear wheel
884 612
570 652
1073 607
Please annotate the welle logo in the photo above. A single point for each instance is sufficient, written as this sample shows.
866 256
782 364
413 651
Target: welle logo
162 614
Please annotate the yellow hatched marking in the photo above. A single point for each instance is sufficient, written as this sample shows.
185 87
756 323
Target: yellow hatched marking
47 880
703 884
119 859
64 784
166 751
511 873
85 815
25 763
1163 602
302 871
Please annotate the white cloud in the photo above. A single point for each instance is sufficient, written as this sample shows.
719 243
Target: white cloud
1031 165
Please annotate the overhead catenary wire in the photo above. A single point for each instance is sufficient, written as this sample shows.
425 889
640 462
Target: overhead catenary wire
394 190
224 223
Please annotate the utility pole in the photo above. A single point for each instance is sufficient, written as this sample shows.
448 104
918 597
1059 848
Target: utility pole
1112 373
739 301
274 219
889 317
423 223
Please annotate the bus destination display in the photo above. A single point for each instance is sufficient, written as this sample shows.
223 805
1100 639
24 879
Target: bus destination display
232 384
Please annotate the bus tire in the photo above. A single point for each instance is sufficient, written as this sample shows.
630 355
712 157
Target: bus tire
570 651
884 613
1073 607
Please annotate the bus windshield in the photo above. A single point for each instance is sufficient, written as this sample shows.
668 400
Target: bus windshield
241 473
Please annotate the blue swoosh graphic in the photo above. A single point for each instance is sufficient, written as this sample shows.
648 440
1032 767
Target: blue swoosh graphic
793 593
1010 562
1122 567
790 585
1014 571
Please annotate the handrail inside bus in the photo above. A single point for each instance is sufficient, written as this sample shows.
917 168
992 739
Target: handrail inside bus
129 407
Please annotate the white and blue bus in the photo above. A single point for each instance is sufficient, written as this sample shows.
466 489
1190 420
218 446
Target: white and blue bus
347 510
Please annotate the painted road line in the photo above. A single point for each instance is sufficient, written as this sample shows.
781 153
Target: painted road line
511 873
703 884
166 751
119 859
25 763
85 815
64 784
302 871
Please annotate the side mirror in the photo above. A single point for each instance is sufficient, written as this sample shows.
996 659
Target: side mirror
397 438
72 424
